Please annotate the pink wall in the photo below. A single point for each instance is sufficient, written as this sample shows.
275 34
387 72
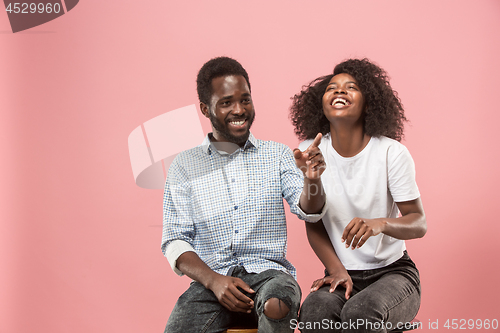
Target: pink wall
80 242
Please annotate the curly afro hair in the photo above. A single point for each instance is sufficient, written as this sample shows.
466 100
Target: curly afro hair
384 113
214 68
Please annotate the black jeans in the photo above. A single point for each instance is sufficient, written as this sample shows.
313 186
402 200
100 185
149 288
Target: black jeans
199 311
382 300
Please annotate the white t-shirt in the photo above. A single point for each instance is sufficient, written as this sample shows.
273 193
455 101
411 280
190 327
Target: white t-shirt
366 186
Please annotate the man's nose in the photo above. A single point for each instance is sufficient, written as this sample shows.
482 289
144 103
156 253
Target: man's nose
238 108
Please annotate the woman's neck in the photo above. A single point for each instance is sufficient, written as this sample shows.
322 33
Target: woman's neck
348 141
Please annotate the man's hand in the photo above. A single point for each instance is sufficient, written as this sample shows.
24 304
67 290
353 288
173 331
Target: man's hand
359 230
226 290
341 278
311 161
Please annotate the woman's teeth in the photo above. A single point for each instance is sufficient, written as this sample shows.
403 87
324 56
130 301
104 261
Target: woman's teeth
340 101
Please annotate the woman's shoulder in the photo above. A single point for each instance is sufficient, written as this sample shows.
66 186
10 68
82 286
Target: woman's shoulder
388 144
394 151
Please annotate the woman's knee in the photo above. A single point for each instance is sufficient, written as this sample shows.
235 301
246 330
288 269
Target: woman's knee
321 305
360 313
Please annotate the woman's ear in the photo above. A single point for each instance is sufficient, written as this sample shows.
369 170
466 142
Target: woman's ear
365 108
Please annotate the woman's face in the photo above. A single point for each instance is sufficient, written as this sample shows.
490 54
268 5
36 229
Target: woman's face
343 99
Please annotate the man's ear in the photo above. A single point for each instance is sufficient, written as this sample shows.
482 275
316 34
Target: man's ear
204 109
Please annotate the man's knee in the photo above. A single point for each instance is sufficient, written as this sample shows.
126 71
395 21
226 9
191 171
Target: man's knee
275 308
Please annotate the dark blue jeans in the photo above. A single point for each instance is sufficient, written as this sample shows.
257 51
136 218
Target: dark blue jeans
381 300
199 311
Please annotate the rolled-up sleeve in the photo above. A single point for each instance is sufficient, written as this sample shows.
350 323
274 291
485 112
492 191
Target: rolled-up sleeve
313 218
173 252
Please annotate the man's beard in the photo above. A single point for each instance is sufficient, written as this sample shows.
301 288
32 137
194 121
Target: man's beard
223 130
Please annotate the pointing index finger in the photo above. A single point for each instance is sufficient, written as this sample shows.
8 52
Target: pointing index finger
317 140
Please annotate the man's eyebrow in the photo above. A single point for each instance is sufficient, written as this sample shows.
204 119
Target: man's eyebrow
231 96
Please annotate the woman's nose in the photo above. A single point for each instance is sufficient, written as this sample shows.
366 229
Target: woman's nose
340 90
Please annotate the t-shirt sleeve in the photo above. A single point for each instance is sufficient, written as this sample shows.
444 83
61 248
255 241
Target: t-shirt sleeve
401 174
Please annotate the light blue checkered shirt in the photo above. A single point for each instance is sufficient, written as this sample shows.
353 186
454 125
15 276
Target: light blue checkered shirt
229 207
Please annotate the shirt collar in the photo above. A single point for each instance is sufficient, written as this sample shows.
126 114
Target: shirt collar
207 146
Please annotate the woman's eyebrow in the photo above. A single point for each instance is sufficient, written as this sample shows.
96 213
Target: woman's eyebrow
348 82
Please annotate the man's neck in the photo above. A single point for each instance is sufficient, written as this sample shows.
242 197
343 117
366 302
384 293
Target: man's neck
225 146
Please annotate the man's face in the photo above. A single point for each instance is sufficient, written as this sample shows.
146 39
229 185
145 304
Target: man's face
231 109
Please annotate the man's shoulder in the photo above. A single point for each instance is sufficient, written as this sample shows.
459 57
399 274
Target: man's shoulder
269 145
194 152
190 158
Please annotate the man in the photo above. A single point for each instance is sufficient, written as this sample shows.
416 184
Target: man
224 220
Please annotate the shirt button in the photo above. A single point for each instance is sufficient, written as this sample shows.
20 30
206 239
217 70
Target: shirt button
235 207
234 254
236 231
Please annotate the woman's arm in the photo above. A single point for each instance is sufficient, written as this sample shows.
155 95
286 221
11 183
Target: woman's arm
411 224
322 246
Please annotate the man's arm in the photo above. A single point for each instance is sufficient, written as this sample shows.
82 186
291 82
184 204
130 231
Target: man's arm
224 287
178 235
312 164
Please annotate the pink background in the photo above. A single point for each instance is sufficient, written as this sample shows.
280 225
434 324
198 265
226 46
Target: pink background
80 242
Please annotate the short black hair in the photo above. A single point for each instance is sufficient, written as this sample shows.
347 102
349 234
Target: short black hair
384 113
214 68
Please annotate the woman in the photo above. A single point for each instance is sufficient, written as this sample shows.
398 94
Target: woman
371 284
